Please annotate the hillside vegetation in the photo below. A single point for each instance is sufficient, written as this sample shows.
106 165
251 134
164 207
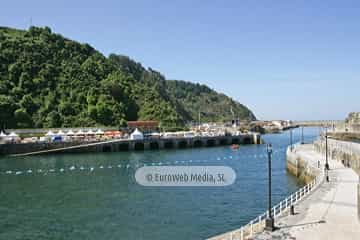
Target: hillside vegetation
47 80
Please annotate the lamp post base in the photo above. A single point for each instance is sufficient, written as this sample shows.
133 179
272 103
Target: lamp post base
269 224
327 167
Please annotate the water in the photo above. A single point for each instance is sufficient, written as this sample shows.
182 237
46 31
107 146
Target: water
95 196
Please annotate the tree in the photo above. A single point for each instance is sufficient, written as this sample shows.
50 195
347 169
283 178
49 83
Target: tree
7 108
53 119
22 118
28 103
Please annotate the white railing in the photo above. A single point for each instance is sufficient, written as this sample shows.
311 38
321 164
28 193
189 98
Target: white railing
257 224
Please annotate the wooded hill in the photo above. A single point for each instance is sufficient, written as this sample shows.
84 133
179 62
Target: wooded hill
47 80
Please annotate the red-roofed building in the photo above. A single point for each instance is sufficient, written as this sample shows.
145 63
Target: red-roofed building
144 125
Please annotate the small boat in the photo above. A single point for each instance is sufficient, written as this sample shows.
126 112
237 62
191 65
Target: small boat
235 146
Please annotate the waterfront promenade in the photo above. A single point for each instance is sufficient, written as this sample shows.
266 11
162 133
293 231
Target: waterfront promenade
330 212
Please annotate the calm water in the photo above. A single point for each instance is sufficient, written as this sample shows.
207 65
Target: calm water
95 196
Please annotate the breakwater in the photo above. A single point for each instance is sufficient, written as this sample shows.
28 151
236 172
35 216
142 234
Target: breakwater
299 165
117 145
330 212
348 153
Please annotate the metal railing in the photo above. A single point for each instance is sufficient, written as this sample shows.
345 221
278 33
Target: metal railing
257 225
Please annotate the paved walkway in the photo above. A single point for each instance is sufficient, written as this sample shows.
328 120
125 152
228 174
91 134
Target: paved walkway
328 213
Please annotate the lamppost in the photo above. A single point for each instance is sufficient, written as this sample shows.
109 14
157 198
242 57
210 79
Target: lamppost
291 140
269 221
326 157
302 135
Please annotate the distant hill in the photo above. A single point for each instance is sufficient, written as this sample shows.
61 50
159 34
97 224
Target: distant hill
47 80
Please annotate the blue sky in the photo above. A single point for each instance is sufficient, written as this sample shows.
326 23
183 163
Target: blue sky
283 59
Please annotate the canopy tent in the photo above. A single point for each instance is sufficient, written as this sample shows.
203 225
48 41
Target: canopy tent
80 132
99 132
112 133
13 135
90 132
70 133
60 133
50 134
2 134
137 135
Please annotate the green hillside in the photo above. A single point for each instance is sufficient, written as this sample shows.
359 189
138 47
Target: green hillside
47 80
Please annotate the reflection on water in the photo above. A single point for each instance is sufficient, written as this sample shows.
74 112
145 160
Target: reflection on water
95 196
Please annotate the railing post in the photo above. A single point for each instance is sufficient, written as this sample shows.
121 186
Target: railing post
251 228
284 204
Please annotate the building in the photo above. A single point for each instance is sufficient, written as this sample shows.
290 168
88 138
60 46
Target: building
144 126
352 122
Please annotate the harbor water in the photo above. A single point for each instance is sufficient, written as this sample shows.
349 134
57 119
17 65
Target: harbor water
95 196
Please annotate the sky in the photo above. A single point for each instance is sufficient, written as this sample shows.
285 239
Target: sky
283 59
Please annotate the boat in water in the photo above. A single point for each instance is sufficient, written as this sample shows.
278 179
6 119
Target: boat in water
235 146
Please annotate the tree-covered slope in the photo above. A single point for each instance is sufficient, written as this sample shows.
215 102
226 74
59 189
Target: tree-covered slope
212 106
47 80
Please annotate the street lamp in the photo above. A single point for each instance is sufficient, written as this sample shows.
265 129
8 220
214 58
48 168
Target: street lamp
327 168
302 135
269 221
291 145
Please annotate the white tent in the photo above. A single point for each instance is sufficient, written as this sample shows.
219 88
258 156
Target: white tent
99 132
2 134
70 133
90 132
50 134
80 132
137 135
13 135
60 133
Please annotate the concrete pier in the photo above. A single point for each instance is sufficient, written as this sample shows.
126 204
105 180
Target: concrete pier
330 212
128 145
302 164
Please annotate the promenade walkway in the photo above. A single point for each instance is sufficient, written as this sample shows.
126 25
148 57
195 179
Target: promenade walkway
330 212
